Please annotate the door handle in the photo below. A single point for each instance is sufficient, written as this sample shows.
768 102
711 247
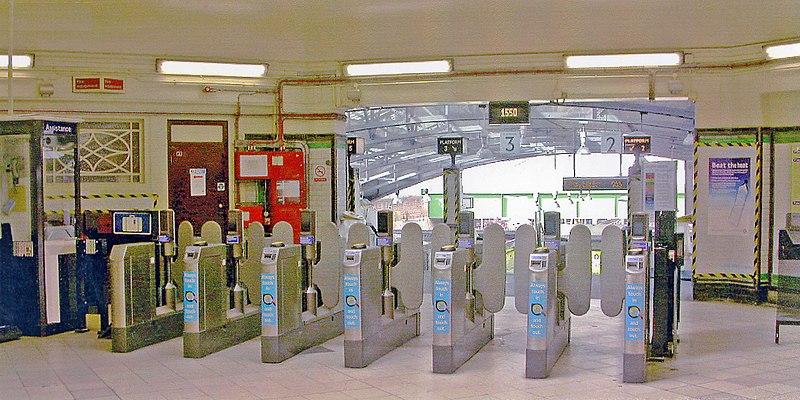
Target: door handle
220 206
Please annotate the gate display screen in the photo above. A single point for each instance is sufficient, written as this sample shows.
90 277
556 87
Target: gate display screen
132 223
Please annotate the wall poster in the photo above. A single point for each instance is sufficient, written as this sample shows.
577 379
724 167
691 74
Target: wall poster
729 191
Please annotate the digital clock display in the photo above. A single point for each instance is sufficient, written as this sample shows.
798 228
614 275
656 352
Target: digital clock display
509 112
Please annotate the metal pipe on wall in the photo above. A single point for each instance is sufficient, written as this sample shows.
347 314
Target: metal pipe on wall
10 83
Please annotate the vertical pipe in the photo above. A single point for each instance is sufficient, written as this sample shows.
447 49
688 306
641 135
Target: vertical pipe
10 85
771 223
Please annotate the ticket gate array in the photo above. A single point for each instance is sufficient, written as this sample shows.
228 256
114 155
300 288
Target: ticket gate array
145 307
468 288
300 308
219 313
382 290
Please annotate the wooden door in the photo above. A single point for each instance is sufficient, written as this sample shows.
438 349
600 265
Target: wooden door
198 171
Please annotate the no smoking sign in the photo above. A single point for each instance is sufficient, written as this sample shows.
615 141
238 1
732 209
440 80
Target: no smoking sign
320 173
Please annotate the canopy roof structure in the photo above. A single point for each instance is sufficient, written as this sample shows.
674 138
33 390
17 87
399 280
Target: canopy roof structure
401 141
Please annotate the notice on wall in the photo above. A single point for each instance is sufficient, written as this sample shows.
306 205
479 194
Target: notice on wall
253 166
197 181
795 206
659 187
729 190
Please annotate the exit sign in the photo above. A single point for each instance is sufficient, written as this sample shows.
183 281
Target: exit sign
509 112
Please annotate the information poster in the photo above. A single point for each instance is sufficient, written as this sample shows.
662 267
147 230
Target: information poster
729 191
441 306
660 186
197 181
537 320
795 179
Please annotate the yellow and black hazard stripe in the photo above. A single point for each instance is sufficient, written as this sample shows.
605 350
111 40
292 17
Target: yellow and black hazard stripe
757 224
720 277
107 196
447 195
458 197
351 189
694 212
708 143
755 277
72 212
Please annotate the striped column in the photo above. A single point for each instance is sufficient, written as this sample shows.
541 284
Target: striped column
757 237
351 188
694 213
452 196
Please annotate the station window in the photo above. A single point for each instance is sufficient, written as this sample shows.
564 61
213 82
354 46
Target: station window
110 151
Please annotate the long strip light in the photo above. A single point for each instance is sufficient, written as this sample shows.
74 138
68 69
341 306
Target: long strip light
22 61
172 67
624 60
399 68
783 51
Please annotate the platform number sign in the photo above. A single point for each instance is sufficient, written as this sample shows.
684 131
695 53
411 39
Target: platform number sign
511 142
636 144
611 143
450 145
355 145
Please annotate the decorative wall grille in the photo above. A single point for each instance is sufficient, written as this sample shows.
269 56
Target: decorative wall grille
109 152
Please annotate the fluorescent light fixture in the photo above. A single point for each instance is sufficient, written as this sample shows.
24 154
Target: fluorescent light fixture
211 69
378 176
624 60
406 176
399 68
22 61
783 51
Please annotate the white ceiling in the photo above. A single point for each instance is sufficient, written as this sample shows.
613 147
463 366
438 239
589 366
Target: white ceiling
314 30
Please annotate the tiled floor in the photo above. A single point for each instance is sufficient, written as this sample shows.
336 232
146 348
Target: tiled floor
726 352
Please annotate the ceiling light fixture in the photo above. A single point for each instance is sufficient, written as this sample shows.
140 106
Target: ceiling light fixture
689 139
399 68
172 67
782 51
583 150
21 61
624 60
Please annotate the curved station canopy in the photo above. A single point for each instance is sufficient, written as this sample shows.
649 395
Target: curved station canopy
400 142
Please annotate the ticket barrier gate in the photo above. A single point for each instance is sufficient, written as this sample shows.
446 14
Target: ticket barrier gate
465 298
217 316
290 325
549 291
145 307
637 316
625 280
138 249
382 293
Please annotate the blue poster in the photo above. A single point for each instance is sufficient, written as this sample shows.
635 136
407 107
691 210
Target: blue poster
190 296
634 315
351 288
441 306
537 318
730 193
269 299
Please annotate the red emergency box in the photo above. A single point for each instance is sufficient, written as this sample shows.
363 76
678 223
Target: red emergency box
271 187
